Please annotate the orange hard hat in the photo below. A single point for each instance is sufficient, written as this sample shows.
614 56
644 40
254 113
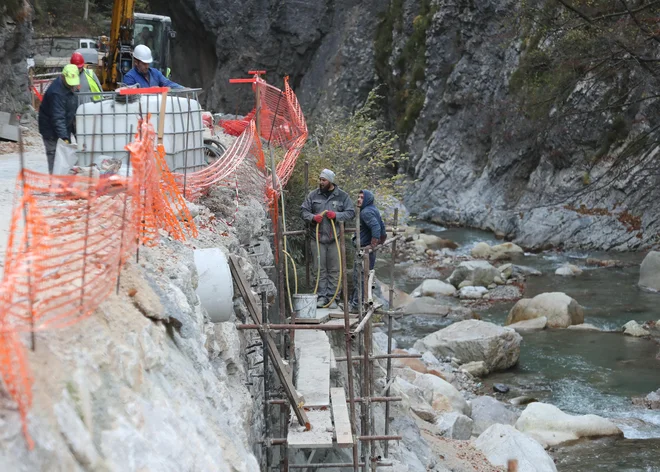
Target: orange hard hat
78 59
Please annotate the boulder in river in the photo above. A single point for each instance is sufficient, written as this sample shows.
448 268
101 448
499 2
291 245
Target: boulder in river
434 288
649 272
534 324
425 306
481 273
650 401
498 252
568 270
500 443
472 293
432 241
551 426
560 310
487 411
475 340
633 328
475 368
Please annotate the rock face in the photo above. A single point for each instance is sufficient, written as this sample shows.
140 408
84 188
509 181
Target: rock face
474 340
551 426
15 43
487 411
560 310
480 273
649 272
501 442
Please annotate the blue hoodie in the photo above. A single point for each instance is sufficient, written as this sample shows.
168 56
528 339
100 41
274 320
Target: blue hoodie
371 224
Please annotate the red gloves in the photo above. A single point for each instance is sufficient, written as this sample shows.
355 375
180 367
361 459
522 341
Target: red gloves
331 215
318 218
374 242
383 238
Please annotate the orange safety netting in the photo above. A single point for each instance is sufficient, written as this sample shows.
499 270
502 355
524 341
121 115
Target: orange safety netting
69 238
71 235
280 124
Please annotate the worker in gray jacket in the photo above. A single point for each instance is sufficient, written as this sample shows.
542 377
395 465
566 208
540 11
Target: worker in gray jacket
326 203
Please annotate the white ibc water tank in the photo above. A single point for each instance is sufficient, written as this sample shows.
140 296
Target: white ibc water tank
104 128
216 287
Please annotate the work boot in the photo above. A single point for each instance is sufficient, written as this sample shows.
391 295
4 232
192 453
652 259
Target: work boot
333 306
321 302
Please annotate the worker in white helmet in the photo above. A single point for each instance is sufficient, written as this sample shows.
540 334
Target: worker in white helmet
142 74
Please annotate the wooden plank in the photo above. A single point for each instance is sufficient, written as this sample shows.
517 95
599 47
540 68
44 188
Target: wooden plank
319 436
340 417
313 375
280 368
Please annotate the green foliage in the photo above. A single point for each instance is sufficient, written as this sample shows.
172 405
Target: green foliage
361 153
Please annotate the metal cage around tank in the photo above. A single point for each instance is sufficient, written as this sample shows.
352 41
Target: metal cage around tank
116 114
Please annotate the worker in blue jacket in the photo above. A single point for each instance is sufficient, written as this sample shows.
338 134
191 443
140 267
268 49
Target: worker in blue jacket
57 111
372 233
146 76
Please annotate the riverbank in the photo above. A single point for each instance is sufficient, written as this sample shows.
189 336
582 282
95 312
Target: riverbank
581 372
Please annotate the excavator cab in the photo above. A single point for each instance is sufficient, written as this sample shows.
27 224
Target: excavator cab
155 32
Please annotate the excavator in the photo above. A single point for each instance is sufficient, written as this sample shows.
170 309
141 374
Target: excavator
129 29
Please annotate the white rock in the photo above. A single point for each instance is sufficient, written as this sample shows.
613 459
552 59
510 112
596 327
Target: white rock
481 251
472 293
487 411
568 270
454 425
551 426
560 310
505 251
442 395
530 325
649 272
584 327
475 340
506 270
434 288
633 328
500 443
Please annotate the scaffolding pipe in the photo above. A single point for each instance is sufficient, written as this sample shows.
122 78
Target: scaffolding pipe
364 321
349 352
388 375
286 327
385 356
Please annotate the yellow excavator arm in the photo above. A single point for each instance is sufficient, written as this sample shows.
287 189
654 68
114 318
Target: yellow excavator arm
118 60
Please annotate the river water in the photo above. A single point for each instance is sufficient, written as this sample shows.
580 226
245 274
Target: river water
580 372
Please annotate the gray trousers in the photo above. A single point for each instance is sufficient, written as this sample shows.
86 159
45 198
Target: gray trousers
329 268
51 145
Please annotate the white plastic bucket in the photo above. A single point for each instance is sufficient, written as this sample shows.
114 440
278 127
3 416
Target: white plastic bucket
216 288
304 305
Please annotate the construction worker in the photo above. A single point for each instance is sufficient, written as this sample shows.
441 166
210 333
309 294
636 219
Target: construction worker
142 74
322 205
89 82
372 233
57 111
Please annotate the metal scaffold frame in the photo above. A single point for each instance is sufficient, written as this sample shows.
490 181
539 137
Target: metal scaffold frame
359 364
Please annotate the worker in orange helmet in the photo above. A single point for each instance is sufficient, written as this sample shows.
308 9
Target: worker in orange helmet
90 87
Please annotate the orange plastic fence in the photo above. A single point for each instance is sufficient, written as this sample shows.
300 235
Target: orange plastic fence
71 235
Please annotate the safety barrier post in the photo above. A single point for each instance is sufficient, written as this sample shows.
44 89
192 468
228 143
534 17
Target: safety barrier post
388 378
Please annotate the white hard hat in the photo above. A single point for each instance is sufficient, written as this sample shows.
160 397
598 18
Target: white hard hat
143 53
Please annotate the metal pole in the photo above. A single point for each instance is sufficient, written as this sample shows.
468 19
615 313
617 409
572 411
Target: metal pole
264 317
366 370
33 340
349 348
123 214
306 251
88 209
386 445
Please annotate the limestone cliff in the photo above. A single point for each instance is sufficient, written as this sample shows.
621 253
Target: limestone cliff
15 39
489 147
